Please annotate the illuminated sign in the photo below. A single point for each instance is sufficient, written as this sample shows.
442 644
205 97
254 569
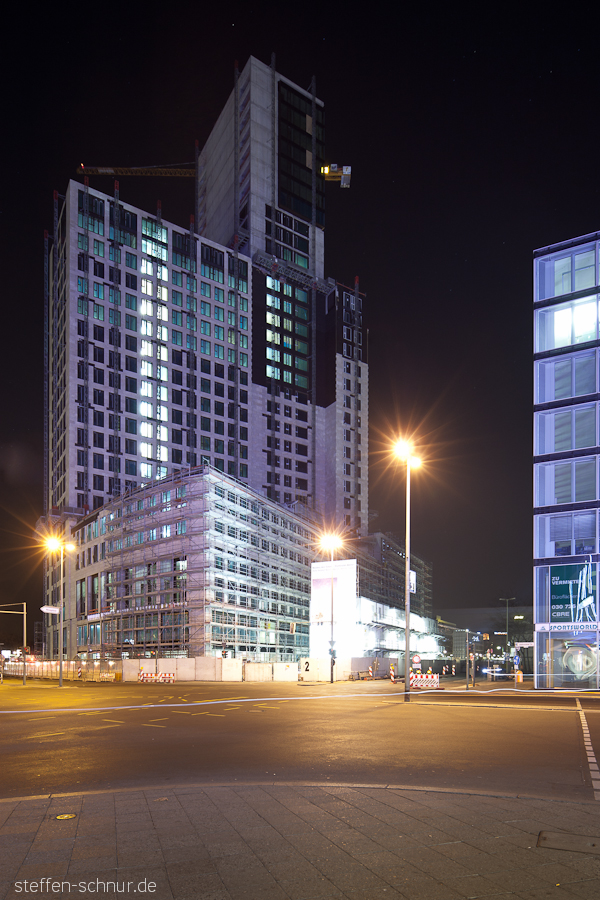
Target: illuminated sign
573 593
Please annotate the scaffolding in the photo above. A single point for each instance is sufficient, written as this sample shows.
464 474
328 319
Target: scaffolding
189 571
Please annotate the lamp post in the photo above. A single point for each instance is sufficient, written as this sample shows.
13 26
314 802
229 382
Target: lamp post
331 542
507 600
53 545
403 451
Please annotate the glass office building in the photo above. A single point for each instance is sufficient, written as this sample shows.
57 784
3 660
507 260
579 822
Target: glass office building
566 454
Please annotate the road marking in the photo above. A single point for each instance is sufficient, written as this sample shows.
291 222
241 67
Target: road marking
264 706
589 750
146 725
159 720
216 715
45 719
181 712
113 720
229 708
50 734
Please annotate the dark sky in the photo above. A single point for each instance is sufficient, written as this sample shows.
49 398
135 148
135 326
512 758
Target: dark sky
472 135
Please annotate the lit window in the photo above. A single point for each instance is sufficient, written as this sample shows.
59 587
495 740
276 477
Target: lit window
146 348
146 307
146 369
147 287
146 389
146 450
146 328
147 429
146 409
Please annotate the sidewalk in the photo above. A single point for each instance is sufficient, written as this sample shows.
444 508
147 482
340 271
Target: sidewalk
273 842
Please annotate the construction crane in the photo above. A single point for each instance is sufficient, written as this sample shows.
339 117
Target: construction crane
173 171
333 172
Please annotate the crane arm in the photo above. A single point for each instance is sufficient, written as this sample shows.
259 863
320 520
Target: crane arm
136 170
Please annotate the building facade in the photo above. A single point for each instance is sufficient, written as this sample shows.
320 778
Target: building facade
262 191
566 455
219 351
191 565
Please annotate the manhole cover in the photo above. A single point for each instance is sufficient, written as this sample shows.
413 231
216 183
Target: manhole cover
67 816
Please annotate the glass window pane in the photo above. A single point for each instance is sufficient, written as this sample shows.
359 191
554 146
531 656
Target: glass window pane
585 427
562 380
562 432
562 276
562 483
585 270
585 480
585 375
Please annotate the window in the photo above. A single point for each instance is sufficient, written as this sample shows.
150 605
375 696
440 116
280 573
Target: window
568 323
177 337
219 352
565 482
565 429
564 377
131 322
565 272
98 460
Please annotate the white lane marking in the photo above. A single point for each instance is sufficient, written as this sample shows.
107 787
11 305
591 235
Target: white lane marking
589 751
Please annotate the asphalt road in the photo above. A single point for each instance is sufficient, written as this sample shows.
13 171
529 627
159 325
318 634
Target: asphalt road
99 737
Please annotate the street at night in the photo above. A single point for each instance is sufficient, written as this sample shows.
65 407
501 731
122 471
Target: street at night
110 737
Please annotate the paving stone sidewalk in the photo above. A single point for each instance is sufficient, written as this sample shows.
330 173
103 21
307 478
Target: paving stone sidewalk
295 842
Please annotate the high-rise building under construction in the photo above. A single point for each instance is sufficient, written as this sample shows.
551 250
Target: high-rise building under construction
170 350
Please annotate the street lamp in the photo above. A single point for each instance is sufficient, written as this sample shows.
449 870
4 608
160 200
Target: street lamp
507 600
403 450
331 542
53 545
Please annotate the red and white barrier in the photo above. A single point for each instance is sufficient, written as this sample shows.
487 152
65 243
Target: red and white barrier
157 678
370 671
424 681
392 675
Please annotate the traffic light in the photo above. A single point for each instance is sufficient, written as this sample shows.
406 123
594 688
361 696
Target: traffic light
224 654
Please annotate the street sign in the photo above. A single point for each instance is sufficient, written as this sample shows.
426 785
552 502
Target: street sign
416 658
53 610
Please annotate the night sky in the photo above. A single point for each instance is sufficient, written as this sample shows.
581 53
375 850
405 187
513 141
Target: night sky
472 142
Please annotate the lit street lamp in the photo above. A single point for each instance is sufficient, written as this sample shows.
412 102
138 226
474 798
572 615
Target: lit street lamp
331 542
403 451
53 545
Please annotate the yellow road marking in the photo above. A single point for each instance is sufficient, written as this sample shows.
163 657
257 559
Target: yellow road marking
218 715
145 724
114 720
49 734
199 714
181 712
264 706
164 719
45 719
228 708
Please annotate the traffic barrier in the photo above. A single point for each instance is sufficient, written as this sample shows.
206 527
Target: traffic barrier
370 671
421 681
157 678
392 675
